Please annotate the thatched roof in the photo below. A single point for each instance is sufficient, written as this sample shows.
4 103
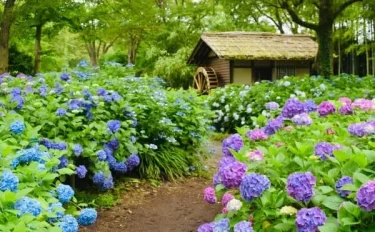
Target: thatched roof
254 46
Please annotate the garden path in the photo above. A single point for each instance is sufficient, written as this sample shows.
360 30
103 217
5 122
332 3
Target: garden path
172 207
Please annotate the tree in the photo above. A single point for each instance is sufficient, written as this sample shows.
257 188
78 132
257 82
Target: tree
327 12
6 23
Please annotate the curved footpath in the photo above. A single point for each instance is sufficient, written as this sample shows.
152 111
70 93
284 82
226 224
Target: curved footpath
172 207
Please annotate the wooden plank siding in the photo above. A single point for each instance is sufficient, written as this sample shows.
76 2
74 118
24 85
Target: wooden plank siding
222 69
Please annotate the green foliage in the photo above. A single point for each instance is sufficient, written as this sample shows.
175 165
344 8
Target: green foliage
19 62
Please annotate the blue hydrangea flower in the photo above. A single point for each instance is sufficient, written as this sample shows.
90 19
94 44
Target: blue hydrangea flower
61 112
74 104
243 226
134 123
63 162
17 127
116 97
19 100
77 149
8 181
43 90
65 77
222 225
253 185
310 106
114 144
28 205
341 182
64 193
56 208
103 182
101 92
87 217
111 161
98 178
132 162
81 171
68 224
120 167
102 155
113 126
133 139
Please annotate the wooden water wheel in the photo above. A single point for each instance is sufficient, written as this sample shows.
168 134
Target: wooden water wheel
205 79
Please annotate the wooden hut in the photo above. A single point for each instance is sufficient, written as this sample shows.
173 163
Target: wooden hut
245 58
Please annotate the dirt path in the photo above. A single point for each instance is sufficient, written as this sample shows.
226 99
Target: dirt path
172 207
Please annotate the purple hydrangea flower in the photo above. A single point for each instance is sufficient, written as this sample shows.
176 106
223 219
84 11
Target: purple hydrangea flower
226 198
206 227
310 106
308 220
361 129
292 107
272 106
345 100
81 171
65 77
363 104
226 160
61 112
231 175
243 226
302 119
300 186
343 181
325 108
346 109
366 196
209 195
113 126
77 149
253 185
257 134
324 149
233 142
132 162
216 180
273 126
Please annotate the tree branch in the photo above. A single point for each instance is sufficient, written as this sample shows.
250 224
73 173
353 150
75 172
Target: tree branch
343 7
284 4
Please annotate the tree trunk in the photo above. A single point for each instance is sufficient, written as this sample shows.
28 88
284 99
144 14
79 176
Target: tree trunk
38 48
324 58
6 23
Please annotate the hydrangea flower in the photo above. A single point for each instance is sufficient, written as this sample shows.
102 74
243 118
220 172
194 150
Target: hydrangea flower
61 112
8 181
63 162
234 205
216 180
120 167
68 224
102 155
346 109
43 90
310 106
273 126
56 208
226 160
253 185
101 92
300 186
325 108
255 155
324 149
64 193
209 195
17 127
81 171
231 175
113 126
302 119
65 77
288 210
222 225
308 220
206 227
87 217
272 106
361 129
103 182
233 142
341 182
132 162
243 226
345 101
366 196
77 149
257 134
74 104
363 104
292 107
226 198
28 205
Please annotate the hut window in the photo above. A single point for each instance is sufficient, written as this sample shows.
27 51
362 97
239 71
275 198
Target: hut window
283 71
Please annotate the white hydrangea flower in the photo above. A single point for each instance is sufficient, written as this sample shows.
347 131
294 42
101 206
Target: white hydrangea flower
215 104
222 100
234 205
236 116
286 83
226 118
322 86
222 129
226 107
240 108
256 83
249 110
286 77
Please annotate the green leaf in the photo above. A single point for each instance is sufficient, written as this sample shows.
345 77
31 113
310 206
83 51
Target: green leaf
361 177
352 208
284 226
328 227
341 155
219 187
325 189
332 202
349 187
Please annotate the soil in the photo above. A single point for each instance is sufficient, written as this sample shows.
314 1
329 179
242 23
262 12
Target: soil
171 207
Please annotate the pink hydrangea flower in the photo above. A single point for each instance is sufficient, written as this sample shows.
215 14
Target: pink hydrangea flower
345 100
257 134
288 128
255 155
363 104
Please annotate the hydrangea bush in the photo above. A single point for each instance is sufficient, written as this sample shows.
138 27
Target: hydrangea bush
238 105
314 172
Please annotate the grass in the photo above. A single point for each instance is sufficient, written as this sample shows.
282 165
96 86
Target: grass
219 136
